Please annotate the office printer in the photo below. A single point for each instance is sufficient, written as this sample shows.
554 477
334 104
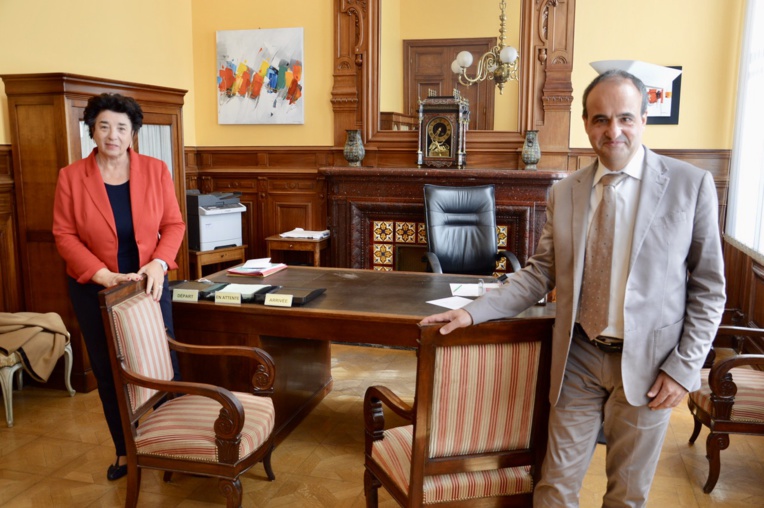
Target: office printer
214 220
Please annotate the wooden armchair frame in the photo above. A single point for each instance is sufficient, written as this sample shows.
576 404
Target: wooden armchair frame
227 427
424 463
714 404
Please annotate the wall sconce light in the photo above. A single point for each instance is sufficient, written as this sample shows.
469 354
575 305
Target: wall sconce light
499 64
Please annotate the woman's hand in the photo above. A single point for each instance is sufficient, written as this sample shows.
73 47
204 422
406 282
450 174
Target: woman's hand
154 273
107 278
454 319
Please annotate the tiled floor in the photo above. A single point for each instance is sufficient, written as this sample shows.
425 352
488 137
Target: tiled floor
58 450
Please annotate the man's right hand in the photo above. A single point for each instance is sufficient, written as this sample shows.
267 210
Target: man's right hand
458 318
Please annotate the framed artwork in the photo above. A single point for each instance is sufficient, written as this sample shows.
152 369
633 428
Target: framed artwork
663 83
260 76
663 101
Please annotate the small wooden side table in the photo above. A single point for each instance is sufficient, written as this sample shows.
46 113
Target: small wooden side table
276 243
199 258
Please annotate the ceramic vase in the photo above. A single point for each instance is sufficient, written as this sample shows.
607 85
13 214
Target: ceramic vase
354 150
531 150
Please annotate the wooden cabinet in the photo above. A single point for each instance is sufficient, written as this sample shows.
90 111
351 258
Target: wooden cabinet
45 112
276 201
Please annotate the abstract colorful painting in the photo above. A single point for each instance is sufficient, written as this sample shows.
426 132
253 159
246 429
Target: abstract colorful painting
260 76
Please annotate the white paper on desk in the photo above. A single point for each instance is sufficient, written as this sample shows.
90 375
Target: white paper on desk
244 289
471 290
452 302
257 263
302 233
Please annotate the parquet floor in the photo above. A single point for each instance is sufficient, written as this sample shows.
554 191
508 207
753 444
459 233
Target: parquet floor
58 450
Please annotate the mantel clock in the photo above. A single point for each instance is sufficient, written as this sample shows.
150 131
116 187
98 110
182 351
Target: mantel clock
443 122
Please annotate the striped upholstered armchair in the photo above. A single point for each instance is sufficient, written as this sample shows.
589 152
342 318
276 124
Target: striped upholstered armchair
478 426
731 397
208 431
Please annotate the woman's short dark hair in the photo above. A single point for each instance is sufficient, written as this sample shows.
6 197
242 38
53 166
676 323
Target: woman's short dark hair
113 102
614 74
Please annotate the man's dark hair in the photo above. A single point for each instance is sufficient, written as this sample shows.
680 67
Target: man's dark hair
113 102
616 74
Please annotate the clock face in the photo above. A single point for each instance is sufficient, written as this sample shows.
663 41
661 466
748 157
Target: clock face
439 140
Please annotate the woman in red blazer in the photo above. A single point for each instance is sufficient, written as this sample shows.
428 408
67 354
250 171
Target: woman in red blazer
115 219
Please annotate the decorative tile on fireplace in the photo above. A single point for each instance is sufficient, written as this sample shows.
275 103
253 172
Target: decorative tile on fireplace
392 239
382 232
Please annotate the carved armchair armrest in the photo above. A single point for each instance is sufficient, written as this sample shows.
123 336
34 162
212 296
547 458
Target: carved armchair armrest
230 421
265 372
722 384
374 418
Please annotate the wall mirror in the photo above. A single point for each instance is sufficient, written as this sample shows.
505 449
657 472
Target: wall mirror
426 22
441 19
366 74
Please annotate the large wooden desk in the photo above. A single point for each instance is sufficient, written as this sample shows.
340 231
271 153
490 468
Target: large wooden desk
359 306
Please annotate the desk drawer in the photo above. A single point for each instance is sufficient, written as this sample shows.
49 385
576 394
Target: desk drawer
295 246
210 257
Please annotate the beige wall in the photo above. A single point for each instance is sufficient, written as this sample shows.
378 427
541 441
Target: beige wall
315 16
703 36
172 43
142 41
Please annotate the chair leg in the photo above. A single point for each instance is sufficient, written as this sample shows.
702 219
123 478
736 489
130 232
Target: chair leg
6 383
695 430
19 378
267 464
231 489
371 489
715 443
133 485
68 369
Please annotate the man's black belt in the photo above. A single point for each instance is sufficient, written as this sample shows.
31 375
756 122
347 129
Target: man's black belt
601 342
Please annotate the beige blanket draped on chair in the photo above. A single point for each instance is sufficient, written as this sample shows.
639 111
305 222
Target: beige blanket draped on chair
39 338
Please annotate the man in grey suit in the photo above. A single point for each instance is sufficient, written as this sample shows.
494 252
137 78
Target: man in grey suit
665 301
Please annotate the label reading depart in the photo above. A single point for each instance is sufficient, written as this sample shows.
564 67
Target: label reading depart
185 295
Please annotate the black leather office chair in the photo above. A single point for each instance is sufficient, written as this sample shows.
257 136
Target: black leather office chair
461 231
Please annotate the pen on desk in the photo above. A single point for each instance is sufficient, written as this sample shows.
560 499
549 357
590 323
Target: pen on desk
457 288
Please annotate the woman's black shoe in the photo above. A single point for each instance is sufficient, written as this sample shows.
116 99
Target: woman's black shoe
115 471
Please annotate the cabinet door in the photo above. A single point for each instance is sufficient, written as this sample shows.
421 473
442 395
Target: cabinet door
293 203
10 285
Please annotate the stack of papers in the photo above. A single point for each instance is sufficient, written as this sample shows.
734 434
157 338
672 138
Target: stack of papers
257 268
310 235
245 290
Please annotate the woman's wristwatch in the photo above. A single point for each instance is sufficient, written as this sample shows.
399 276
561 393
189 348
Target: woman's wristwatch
161 262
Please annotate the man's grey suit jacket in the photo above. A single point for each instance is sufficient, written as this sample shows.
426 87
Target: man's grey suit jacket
675 287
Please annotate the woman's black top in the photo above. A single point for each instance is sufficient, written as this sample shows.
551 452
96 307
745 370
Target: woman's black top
127 251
